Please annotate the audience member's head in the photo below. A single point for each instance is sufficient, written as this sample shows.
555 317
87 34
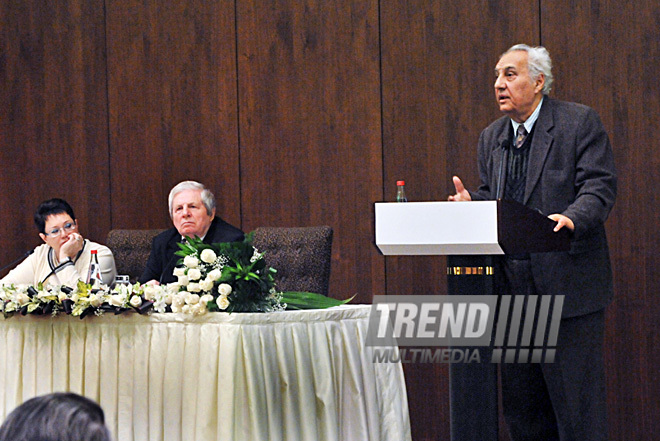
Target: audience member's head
192 208
56 417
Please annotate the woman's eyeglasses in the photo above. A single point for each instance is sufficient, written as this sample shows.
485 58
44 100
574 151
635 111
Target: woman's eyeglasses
67 227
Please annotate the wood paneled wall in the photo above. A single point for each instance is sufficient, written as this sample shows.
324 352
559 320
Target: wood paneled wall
172 106
53 117
306 112
310 128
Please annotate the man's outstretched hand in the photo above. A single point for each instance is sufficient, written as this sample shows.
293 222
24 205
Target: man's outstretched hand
461 193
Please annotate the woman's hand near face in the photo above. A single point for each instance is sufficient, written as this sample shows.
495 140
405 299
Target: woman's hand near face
71 247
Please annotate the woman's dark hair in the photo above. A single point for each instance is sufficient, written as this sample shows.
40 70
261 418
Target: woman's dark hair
56 417
48 208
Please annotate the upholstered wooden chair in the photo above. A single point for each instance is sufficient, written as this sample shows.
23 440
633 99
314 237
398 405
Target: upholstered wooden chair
131 250
301 256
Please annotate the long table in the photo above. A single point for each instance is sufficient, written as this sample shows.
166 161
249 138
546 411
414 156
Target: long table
294 375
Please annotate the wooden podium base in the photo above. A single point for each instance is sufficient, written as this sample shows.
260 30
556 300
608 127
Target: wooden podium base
473 386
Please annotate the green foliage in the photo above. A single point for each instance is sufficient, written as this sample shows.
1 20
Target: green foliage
310 300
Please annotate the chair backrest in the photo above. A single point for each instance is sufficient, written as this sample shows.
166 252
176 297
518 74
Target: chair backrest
301 256
131 250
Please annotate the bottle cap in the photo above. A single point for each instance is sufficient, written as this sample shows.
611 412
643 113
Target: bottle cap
400 182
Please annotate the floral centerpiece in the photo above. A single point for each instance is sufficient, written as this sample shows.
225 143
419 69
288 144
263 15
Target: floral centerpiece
81 300
229 277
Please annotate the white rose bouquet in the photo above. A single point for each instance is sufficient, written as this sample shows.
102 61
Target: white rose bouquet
230 277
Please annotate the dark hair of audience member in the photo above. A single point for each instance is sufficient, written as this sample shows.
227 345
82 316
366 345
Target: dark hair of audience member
56 417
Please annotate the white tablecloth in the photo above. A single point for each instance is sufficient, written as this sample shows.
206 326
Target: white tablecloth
298 375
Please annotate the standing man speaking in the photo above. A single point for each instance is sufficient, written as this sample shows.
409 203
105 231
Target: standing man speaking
560 163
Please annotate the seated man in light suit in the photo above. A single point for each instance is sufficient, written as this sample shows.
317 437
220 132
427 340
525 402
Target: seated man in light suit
65 256
192 209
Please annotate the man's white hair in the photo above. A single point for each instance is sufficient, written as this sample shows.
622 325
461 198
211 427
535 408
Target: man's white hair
207 197
538 62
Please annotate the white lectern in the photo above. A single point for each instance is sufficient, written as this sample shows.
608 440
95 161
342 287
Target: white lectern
464 228
471 234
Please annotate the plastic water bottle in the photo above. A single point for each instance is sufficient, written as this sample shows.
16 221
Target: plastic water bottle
94 273
401 191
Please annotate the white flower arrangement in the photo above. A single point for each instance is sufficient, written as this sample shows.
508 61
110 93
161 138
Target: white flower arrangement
80 301
229 277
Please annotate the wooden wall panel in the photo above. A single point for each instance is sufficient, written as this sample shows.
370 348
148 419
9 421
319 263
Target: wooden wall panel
173 110
606 56
53 123
310 135
438 60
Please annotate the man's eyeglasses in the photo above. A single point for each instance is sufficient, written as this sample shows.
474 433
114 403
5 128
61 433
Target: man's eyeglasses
67 227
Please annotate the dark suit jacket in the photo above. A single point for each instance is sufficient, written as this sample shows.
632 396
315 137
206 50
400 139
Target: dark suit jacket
571 172
162 259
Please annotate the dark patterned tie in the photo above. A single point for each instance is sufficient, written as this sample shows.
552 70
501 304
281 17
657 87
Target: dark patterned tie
520 138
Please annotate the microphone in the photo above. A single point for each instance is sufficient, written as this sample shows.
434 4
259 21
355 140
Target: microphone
172 262
506 144
14 262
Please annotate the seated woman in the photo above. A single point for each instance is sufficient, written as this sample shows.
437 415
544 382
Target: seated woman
65 257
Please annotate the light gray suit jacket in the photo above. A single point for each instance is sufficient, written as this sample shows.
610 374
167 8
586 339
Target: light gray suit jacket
571 172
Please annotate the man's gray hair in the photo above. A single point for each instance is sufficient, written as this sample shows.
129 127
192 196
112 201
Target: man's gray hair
207 197
538 62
